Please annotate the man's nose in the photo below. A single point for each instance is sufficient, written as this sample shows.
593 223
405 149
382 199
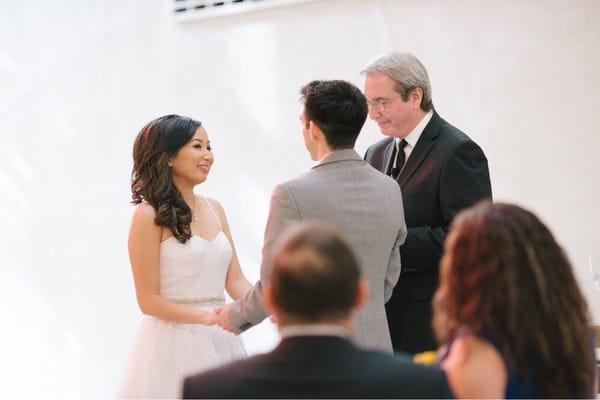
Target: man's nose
373 113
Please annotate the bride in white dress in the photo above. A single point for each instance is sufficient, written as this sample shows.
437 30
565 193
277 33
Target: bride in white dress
182 257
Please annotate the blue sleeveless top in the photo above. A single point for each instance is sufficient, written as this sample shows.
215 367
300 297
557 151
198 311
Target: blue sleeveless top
515 387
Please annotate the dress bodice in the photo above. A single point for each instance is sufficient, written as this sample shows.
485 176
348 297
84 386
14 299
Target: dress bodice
194 269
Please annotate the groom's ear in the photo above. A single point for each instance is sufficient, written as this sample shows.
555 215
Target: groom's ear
362 293
314 131
268 299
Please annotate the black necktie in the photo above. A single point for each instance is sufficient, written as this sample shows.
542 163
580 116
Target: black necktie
398 159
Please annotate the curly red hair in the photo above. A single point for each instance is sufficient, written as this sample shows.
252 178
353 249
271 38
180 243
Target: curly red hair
504 277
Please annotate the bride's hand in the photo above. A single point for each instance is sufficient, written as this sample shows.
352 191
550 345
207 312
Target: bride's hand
208 318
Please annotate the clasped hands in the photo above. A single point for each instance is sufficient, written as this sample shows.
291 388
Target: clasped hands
221 318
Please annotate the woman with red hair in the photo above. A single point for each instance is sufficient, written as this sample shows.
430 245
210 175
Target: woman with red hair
509 312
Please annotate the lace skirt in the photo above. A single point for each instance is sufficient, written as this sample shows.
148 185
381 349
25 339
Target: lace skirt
164 353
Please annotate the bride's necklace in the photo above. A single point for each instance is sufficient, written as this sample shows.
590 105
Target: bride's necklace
194 211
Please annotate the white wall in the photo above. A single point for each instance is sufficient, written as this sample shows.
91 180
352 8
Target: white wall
78 79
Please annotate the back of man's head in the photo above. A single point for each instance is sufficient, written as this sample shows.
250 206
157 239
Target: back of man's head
338 108
315 276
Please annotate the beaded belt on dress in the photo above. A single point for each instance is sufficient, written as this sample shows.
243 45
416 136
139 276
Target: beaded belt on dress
199 301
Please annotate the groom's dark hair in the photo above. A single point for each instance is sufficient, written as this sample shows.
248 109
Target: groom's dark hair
338 108
315 274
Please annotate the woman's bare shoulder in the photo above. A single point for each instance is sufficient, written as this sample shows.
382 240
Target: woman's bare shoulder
144 211
144 216
214 202
218 207
475 368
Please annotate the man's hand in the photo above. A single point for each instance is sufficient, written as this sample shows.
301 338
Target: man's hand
223 318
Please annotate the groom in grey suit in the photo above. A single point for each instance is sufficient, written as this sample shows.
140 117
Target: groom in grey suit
344 191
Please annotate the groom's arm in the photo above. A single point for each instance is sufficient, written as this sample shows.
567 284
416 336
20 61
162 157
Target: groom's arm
250 310
394 264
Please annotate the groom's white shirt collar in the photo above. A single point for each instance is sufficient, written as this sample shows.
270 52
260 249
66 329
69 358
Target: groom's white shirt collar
324 155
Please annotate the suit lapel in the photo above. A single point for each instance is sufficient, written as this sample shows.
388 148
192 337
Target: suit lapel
422 148
387 157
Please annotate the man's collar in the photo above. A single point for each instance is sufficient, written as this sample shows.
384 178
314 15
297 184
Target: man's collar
339 155
413 137
313 330
324 155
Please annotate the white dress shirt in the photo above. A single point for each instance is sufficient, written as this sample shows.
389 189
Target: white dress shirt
413 137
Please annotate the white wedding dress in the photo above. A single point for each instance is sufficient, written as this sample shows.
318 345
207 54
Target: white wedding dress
165 352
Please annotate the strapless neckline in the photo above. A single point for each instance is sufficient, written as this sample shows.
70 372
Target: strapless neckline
196 237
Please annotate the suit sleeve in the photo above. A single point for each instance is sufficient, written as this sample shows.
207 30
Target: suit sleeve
394 263
187 390
250 310
465 180
211 384
394 267
367 156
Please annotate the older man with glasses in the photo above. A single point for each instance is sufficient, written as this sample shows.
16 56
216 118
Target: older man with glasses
440 171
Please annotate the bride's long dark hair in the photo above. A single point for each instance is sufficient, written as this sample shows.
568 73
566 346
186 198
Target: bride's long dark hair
151 179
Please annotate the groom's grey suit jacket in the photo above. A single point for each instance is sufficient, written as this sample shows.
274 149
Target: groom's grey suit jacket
366 206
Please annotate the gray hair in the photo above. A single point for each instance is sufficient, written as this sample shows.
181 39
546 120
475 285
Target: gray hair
408 73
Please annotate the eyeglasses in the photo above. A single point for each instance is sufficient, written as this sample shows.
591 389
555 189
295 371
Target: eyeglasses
379 104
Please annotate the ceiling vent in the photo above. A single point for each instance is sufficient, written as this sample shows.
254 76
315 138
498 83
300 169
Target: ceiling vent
190 10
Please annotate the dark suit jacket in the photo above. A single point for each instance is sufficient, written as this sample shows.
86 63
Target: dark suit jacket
319 367
445 173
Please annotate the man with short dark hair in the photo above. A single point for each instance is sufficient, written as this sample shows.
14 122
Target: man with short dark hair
345 192
315 287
